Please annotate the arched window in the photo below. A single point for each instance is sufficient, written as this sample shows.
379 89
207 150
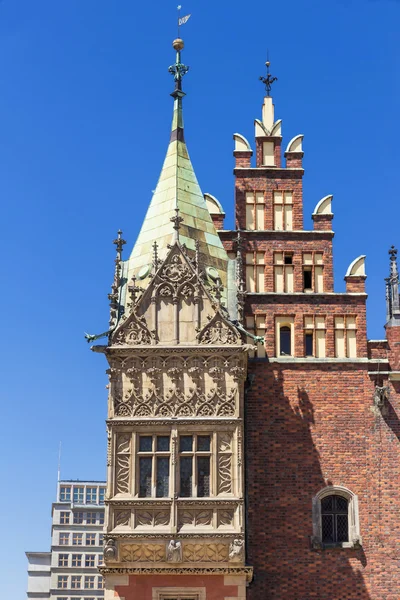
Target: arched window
335 519
285 341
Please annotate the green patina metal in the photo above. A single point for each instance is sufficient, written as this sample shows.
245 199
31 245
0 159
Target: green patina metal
177 188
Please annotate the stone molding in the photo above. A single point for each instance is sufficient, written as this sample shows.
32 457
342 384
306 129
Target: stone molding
247 571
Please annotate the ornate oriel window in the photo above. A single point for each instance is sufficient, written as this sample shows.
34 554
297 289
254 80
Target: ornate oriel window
194 466
335 519
153 466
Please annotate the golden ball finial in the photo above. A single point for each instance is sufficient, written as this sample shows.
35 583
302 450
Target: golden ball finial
178 44
267 63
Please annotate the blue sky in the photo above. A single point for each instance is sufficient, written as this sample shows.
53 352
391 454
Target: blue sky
85 115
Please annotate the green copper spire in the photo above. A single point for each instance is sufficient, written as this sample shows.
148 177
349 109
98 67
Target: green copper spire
177 194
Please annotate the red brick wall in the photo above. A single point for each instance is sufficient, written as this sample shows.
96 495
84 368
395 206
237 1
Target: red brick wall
309 426
268 180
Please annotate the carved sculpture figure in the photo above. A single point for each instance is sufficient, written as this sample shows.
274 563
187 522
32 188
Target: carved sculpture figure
380 395
174 551
110 550
236 550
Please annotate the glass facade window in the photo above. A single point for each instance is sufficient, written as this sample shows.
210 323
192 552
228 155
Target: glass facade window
64 539
101 539
62 582
64 518
65 493
77 539
89 582
78 518
90 560
91 495
100 583
154 466
76 560
102 494
78 494
90 539
195 465
91 518
63 560
76 582
101 518
100 560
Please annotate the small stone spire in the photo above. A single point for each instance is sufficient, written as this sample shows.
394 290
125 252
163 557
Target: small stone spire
113 297
392 290
176 220
240 281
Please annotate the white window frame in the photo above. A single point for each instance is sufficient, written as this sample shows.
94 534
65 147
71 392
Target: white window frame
355 540
165 593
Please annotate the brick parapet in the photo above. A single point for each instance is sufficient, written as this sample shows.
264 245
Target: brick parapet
294 160
322 222
355 284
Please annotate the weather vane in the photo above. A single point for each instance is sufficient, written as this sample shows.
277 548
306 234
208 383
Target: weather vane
179 70
268 80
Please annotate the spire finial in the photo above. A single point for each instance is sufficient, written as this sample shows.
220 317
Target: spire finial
269 79
179 70
176 220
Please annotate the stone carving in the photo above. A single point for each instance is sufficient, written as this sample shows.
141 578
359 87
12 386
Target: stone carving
224 474
143 552
224 463
152 518
218 331
123 460
381 394
181 570
175 271
110 550
133 331
122 518
174 551
205 552
239 447
169 386
225 517
236 550
195 518
109 446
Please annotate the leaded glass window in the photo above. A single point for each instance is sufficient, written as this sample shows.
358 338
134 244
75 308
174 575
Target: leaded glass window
154 466
334 519
194 465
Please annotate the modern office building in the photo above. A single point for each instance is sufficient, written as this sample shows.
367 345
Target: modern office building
70 570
